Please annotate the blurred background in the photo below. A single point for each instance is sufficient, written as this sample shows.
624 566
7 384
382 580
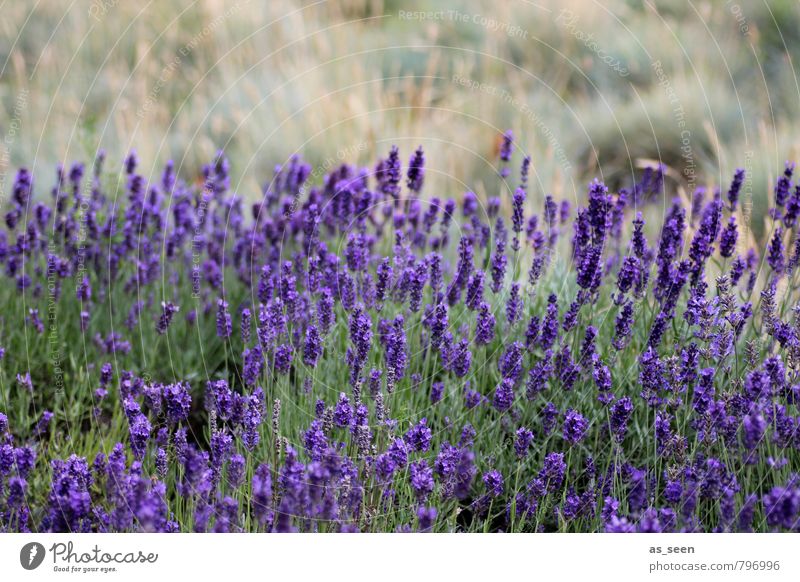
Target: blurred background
589 88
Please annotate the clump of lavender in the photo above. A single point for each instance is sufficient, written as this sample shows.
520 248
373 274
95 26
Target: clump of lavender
627 384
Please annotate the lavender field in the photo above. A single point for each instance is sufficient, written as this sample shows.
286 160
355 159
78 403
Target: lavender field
353 355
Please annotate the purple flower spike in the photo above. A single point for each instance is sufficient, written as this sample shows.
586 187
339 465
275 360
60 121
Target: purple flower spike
575 427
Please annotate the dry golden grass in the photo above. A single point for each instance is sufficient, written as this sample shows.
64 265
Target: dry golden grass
335 80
